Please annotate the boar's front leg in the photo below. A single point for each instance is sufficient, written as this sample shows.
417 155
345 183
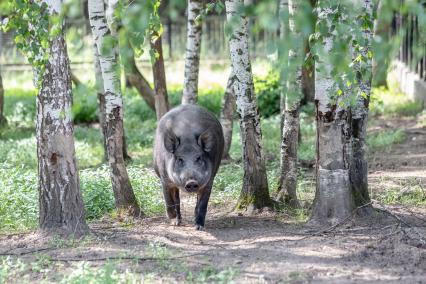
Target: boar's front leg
201 207
171 197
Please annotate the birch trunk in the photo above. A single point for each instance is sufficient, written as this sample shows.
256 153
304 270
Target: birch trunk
99 85
359 165
123 192
333 197
287 183
101 102
161 97
227 115
283 30
60 201
2 116
255 193
192 54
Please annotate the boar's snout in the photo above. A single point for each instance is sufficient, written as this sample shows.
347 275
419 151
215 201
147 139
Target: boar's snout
191 186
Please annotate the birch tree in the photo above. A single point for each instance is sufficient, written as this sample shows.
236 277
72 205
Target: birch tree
228 106
123 192
290 132
60 201
255 193
227 115
359 165
342 94
192 54
333 199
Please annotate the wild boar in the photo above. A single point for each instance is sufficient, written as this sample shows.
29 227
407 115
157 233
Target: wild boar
187 152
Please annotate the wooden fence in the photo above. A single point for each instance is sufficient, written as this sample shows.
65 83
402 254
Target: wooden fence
412 51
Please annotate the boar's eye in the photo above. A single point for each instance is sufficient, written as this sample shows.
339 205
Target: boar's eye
198 160
179 161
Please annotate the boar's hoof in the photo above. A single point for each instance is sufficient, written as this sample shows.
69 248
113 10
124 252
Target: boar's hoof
199 227
176 222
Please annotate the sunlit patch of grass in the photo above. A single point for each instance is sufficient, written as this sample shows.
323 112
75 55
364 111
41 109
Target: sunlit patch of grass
385 138
392 103
400 191
18 198
19 201
19 153
20 107
271 130
415 196
227 184
42 267
84 272
10 268
212 275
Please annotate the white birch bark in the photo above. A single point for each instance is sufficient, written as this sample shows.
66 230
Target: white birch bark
254 194
290 132
283 9
60 201
123 192
192 54
333 198
228 107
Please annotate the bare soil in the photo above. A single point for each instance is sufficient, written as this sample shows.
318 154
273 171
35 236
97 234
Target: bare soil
267 248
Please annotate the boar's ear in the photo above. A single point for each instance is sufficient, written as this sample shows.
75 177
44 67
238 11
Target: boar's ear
206 141
171 141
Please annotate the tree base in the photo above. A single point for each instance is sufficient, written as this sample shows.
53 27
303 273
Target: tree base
333 201
251 210
129 211
287 199
66 232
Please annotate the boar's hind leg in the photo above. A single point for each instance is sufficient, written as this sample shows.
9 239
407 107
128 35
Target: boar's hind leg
201 207
171 196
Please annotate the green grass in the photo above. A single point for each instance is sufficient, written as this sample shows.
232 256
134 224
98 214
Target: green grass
416 196
385 138
111 271
392 103
408 191
43 268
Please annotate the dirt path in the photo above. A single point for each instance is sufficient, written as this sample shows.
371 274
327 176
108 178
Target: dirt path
404 162
268 248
